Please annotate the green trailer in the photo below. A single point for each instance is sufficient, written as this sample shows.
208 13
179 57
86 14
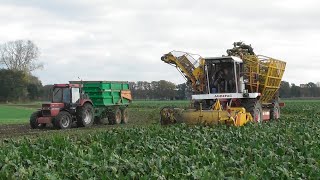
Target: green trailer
110 100
83 103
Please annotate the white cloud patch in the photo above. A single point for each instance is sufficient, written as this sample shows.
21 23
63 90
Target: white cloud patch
124 40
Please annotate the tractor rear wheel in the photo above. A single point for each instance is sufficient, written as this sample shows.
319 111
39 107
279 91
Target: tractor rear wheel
63 120
85 115
114 116
254 107
33 120
275 111
125 116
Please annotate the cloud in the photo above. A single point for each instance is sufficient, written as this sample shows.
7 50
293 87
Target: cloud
124 40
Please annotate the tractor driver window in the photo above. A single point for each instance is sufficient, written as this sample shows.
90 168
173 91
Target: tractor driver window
66 95
75 95
57 95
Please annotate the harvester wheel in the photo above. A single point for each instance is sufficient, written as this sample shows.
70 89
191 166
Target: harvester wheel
275 111
85 115
114 116
33 120
124 116
63 120
254 107
167 116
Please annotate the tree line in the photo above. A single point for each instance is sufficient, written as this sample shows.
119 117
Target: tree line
18 59
308 90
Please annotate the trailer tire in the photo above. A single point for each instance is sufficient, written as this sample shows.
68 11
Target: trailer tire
124 116
85 115
33 121
114 116
103 119
254 107
275 111
63 120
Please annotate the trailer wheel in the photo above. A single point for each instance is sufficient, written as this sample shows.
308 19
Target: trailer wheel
85 115
254 107
275 111
33 120
125 116
63 120
115 116
103 119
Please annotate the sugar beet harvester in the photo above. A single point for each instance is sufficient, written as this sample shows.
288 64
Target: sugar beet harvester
232 89
83 102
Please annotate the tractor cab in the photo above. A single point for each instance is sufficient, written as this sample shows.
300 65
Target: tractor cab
64 97
66 93
223 74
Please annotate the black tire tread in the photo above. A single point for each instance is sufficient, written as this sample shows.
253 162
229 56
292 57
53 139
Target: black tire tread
59 116
80 115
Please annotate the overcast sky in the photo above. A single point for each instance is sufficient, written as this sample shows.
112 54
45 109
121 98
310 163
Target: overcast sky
124 40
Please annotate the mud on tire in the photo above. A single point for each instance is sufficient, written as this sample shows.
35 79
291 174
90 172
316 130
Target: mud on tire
114 116
275 111
254 107
124 116
63 120
85 115
33 120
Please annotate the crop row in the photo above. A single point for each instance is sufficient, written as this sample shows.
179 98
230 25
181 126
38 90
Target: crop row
288 148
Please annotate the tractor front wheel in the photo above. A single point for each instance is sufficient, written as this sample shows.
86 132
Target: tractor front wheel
63 120
33 120
85 115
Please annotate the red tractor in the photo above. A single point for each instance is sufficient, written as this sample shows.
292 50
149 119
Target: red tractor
68 105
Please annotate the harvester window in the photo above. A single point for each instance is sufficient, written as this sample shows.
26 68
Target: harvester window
222 79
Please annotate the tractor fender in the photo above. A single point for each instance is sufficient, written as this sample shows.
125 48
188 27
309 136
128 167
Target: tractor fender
83 101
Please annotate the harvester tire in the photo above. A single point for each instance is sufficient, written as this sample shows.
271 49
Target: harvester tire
167 116
85 115
114 116
33 120
275 111
124 116
254 107
63 120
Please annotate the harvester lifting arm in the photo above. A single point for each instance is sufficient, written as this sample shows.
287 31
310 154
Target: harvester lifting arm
194 75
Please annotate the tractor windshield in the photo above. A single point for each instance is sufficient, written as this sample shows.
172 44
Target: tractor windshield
61 95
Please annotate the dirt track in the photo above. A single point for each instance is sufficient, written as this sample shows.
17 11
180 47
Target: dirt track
17 130
22 130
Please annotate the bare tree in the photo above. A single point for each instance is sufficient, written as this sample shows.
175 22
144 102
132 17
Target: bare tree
20 55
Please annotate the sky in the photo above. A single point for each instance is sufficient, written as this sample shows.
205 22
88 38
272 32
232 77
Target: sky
124 40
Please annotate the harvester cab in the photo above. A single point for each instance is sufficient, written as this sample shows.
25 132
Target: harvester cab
224 75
